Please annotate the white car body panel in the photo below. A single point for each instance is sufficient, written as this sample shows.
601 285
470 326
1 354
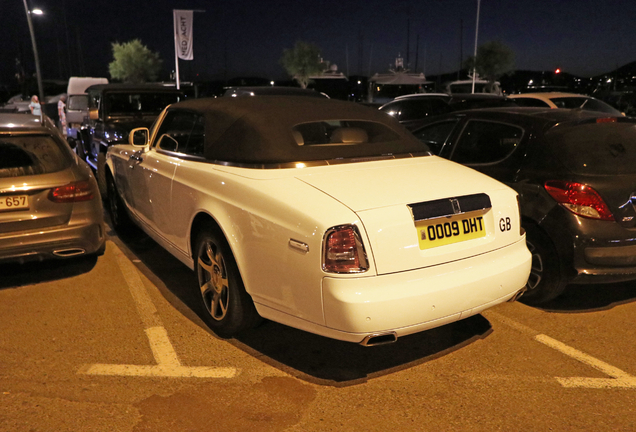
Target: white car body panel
386 217
262 211
450 291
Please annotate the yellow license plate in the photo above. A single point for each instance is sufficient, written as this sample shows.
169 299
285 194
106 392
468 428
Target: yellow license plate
449 230
14 202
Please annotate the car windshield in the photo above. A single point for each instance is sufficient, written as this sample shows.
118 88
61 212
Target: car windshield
139 102
603 148
78 102
24 155
584 103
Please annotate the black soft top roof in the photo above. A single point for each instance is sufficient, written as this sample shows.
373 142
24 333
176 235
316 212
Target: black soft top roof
259 130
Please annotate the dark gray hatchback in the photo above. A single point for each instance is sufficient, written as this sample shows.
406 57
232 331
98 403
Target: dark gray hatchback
50 205
575 172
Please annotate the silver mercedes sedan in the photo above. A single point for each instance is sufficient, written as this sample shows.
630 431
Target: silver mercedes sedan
50 205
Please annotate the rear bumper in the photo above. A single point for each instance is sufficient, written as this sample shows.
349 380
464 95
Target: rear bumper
606 264
604 252
56 242
594 251
413 301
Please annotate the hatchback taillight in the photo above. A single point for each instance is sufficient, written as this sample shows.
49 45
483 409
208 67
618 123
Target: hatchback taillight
580 199
343 251
72 192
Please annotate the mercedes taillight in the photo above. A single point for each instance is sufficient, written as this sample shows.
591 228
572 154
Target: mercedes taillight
72 192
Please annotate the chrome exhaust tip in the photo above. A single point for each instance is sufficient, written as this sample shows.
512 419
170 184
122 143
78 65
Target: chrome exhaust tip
63 253
379 339
517 295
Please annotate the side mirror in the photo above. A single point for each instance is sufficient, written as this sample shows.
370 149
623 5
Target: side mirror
139 137
93 114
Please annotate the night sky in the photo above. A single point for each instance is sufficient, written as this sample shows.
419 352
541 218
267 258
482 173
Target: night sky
246 38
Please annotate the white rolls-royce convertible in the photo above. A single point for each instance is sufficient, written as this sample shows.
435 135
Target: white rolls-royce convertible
322 215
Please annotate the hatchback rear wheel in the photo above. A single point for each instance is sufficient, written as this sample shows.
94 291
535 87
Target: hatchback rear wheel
546 281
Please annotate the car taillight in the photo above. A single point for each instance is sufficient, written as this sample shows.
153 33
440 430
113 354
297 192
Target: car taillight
580 199
72 192
343 251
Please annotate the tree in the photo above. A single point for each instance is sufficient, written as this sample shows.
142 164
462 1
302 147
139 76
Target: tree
302 61
134 63
494 59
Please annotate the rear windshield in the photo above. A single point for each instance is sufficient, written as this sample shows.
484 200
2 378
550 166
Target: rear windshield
31 155
342 132
596 148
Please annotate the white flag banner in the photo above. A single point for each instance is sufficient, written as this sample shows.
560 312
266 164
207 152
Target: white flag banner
183 34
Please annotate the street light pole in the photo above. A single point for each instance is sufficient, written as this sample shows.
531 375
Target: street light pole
475 55
35 52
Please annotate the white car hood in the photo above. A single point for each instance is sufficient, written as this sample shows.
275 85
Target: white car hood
380 195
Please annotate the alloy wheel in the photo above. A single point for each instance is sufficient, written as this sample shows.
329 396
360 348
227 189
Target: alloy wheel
213 280
536 271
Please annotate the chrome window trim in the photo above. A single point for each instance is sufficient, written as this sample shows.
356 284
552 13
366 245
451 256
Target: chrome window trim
298 164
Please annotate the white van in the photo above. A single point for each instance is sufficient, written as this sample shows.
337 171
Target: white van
77 102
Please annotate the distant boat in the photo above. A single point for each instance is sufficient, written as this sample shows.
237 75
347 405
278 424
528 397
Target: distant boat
331 82
466 86
399 81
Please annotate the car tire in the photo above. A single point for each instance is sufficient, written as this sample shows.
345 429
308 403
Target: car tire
228 308
547 279
101 175
116 207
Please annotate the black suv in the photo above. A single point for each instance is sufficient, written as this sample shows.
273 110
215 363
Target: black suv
575 172
114 110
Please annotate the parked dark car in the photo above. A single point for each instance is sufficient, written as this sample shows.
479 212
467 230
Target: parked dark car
114 110
49 203
414 110
564 100
575 172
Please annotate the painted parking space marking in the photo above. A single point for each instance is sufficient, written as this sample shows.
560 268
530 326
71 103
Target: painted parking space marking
619 378
168 364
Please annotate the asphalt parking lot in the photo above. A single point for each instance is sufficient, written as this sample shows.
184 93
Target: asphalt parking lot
117 344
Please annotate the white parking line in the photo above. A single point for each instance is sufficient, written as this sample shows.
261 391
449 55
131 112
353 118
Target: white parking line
168 364
620 379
